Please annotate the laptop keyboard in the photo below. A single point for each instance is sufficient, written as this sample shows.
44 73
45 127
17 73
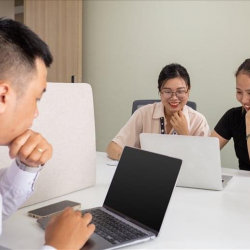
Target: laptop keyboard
113 229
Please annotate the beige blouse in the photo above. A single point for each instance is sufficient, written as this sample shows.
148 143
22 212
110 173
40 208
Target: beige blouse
147 120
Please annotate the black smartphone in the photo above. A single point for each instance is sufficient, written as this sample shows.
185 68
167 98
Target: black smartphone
53 209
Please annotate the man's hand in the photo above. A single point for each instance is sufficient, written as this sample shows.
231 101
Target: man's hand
179 123
31 148
69 230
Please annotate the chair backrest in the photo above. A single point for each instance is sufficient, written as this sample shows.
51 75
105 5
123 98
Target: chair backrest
139 103
66 120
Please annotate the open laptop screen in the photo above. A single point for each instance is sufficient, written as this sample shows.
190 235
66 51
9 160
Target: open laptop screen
142 186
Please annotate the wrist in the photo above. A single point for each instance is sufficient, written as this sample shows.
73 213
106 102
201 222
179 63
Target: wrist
26 168
247 119
247 123
183 132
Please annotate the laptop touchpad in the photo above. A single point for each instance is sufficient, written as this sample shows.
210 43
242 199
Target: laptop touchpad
96 242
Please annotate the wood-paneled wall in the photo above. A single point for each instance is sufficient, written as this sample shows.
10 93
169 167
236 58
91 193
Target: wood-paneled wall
59 24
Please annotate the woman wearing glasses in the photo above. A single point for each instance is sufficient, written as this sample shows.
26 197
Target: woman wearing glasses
170 116
235 123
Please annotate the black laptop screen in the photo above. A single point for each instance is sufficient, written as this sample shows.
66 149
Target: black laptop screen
142 186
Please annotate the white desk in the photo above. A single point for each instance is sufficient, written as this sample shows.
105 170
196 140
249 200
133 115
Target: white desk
194 219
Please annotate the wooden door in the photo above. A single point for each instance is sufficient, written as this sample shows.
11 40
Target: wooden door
59 24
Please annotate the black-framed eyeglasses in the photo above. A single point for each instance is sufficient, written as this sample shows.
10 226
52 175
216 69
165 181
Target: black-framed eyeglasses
180 94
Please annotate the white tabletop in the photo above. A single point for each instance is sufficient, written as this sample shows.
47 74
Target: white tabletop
194 219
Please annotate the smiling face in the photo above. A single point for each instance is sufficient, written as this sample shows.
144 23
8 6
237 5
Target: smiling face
243 90
18 112
173 102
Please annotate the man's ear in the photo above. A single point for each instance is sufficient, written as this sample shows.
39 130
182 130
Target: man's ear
4 96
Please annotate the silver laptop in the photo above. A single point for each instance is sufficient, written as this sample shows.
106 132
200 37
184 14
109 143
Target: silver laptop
136 202
201 167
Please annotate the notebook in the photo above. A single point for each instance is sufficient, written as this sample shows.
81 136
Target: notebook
201 166
136 202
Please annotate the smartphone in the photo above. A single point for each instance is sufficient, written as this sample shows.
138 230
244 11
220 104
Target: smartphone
53 209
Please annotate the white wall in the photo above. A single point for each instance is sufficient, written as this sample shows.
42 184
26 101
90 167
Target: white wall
7 8
127 43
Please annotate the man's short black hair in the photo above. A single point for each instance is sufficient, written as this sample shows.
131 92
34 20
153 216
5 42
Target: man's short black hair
19 49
